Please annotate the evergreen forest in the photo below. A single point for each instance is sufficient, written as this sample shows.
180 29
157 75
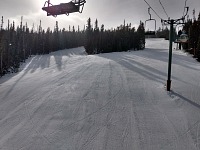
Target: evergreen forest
123 38
17 43
192 28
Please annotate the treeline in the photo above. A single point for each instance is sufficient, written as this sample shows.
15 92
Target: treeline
163 33
18 43
123 38
192 28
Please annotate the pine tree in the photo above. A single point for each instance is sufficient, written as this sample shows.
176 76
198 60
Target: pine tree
2 49
141 36
101 39
198 45
198 49
89 38
56 45
96 37
199 17
1 23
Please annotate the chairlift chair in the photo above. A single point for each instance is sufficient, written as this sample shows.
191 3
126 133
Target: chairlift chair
183 37
64 8
150 32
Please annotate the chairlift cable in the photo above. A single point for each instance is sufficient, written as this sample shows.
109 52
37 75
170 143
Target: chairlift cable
153 10
163 8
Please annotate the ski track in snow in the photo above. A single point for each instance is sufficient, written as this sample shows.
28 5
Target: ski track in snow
67 100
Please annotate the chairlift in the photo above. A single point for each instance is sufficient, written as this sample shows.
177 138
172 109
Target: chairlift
64 8
150 32
183 37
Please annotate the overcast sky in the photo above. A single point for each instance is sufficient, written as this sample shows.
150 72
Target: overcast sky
111 13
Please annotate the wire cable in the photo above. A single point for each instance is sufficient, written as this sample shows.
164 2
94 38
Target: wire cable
153 10
163 8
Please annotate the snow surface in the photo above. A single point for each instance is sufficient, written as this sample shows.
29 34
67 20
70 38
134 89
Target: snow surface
67 100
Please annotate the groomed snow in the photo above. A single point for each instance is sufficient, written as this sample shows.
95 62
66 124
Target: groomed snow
67 100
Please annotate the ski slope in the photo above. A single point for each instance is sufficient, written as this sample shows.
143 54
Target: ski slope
68 100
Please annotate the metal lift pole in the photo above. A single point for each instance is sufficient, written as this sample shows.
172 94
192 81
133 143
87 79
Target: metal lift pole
170 54
171 23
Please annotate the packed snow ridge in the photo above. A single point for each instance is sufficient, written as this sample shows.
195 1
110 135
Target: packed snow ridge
68 100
